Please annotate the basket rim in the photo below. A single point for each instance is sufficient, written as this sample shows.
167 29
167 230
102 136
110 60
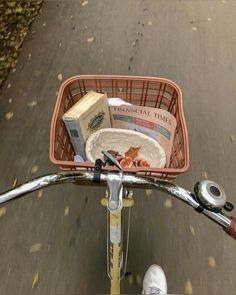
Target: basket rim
78 165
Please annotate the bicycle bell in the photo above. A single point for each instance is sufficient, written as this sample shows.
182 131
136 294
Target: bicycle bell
210 195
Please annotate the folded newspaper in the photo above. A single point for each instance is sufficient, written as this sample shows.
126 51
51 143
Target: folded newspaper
156 123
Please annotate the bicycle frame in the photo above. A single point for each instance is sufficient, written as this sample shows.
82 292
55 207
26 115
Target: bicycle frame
114 243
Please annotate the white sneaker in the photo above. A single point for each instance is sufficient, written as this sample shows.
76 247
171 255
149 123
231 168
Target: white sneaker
154 281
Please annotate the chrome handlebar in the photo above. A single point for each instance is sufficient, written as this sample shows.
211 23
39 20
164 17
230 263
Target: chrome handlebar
129 181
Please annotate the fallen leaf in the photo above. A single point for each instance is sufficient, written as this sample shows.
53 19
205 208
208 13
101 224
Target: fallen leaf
9 271
44 24
60 44
35 248
59 76
211 261
35 281
194 28
71 16
9 85
34 169
10 100
84 3
168 204
133 44
3 211
90 39
32 103
131 280
209 19
14 183
188 289
192 230
66 212
150 23
139 280
40 193
9 115
29 56
148 192
204 175
232 138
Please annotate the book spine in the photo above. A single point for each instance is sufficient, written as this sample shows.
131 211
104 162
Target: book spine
76 137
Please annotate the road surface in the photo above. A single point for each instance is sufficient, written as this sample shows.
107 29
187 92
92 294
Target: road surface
191 42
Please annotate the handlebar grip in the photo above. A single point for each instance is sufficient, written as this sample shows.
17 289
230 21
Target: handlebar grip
231 229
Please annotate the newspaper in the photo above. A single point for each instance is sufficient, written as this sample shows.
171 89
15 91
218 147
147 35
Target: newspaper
156 123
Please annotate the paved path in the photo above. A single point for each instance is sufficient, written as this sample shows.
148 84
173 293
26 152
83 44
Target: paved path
190 42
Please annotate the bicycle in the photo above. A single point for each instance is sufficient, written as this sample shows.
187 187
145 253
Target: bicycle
207 198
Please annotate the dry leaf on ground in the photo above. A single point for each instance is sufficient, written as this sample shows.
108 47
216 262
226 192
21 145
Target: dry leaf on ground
232 138
168 203
204 175
148 192
84 3
35 281
34 169
35 248
150 23
32 103
14 183
66 212
192 230
59 76
194 28
3 211
90 39
9 115
40 193
10 100
188 289
9 85
211 261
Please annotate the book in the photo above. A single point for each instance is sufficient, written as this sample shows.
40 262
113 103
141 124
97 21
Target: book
88 115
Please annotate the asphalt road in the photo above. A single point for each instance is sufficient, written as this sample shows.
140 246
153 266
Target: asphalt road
191 42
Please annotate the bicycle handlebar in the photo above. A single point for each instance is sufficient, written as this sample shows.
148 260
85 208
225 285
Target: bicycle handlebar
130 181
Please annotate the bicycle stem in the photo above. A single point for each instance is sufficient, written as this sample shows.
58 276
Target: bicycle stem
129 181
